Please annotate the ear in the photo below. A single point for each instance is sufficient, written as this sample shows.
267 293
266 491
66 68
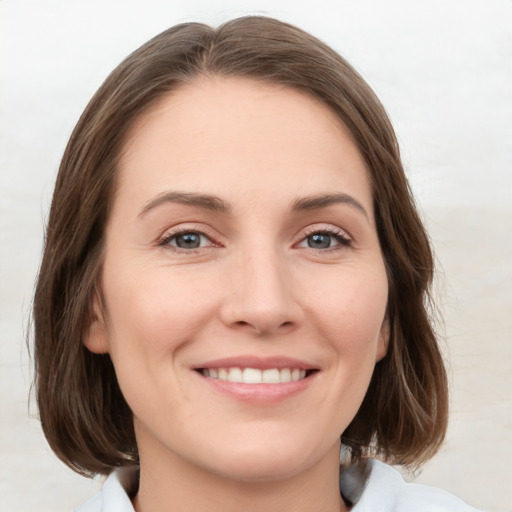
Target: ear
96 336
383 342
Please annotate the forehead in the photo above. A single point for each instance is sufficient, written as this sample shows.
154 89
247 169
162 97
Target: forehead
218 133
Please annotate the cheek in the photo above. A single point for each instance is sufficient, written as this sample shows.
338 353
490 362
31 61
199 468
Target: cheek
151 320
350 315
351 310
154 312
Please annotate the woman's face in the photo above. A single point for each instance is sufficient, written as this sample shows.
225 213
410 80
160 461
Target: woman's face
243 283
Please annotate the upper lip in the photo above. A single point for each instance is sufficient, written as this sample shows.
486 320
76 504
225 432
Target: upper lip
261 363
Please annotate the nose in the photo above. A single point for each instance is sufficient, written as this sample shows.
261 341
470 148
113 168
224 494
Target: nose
261 296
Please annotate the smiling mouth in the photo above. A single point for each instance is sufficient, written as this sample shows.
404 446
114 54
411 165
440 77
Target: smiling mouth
255 375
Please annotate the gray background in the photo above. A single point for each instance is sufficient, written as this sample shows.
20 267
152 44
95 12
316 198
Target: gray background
443 69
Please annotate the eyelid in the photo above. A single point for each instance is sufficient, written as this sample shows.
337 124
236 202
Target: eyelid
183 228
323 228
345 240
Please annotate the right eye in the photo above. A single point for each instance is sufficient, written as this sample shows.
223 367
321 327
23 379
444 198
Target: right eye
187 240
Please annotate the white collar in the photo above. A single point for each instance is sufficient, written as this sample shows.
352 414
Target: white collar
380 488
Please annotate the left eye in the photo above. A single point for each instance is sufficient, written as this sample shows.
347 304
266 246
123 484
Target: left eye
187 240
323 240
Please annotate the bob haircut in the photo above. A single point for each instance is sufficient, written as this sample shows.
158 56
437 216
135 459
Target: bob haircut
84 416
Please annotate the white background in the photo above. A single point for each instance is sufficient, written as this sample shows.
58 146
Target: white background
443 69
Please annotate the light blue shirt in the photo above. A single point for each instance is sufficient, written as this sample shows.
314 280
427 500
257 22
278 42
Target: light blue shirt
383 491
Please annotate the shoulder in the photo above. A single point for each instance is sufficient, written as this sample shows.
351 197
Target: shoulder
113 495
386 490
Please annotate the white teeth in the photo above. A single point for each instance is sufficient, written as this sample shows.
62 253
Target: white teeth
285 375
271 376
252 376
235 375
255 376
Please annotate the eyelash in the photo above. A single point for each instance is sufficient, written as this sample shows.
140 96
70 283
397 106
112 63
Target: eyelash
338 234
165 241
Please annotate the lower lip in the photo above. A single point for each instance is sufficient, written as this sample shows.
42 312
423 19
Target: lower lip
259 393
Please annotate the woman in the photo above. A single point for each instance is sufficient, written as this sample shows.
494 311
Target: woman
234 283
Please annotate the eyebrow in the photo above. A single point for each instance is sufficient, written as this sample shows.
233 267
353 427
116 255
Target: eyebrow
324 200
217 204
188 198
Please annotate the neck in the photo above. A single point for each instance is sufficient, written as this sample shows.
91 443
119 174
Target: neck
171 484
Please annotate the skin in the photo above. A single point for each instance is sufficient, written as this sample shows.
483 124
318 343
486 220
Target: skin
253 287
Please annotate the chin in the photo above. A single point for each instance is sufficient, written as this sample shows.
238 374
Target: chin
267 461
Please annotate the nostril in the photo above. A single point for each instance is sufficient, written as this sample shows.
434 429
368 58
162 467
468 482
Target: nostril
262 328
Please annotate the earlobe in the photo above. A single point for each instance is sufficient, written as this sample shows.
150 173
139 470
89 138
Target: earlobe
384 334
95 337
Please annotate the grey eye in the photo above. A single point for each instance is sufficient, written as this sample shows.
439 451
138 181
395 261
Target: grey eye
319 241
190 240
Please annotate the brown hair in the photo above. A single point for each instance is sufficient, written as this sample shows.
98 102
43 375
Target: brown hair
83 413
